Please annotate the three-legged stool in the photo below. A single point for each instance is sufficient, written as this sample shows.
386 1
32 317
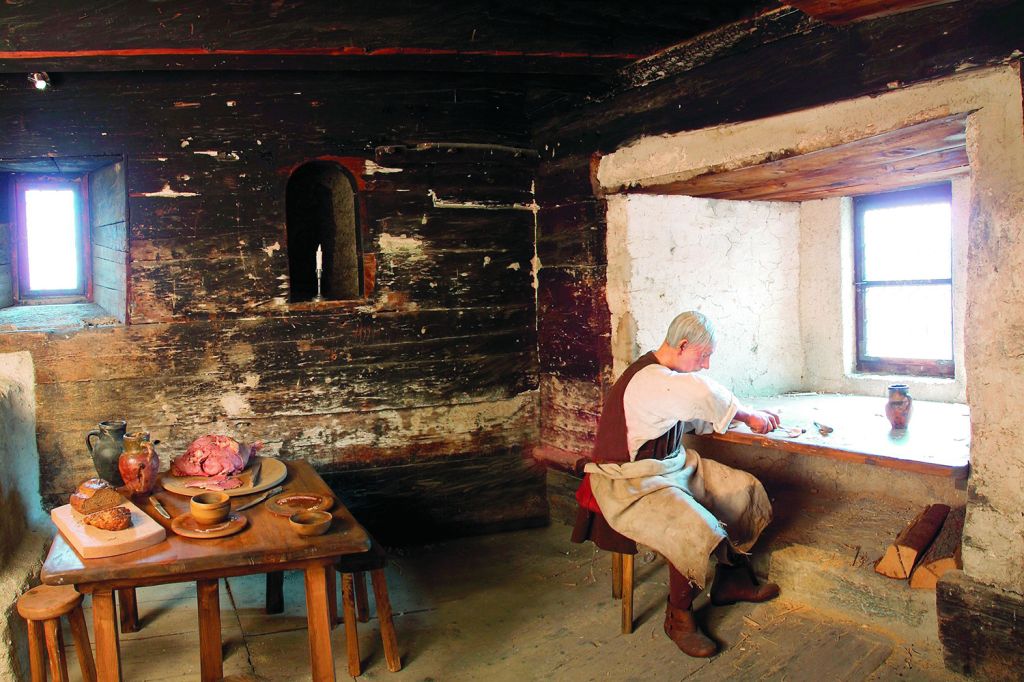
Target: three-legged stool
42 607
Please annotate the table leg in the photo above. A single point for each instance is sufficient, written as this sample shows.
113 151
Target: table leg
318 618
211 664
348 607
332 594
275 592
104 625
128 609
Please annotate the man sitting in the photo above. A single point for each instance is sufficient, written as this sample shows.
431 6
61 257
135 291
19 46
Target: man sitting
642 486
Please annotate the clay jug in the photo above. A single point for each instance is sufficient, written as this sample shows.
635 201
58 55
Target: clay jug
139 463
897 410
107 450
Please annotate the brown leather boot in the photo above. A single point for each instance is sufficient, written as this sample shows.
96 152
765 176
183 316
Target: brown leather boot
681 628
738 583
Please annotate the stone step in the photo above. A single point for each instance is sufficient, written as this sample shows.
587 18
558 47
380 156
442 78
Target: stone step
822 551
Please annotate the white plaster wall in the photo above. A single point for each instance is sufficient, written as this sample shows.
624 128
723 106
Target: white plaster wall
993 289
24 526
827 303
734 261
19 459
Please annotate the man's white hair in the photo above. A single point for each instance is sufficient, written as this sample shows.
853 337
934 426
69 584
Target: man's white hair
692 326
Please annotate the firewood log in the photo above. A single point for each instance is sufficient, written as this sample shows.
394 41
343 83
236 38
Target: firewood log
944 553
911 543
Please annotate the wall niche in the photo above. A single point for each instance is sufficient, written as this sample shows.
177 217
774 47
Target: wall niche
321 211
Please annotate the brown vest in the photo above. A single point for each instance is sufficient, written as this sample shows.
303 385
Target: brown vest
611 444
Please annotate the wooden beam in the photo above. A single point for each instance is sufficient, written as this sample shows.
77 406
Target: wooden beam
980 627
916 155
846 11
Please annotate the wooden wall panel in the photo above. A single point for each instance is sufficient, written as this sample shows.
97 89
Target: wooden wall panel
438 363
785 61
108 234
574 322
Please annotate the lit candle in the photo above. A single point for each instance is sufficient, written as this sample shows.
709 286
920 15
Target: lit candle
319 258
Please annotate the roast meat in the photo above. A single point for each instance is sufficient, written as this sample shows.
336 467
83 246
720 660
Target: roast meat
219 482
214 456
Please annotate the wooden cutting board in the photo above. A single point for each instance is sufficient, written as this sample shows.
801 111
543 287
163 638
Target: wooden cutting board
92 543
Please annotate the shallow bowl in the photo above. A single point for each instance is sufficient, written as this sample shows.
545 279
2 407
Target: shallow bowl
210 507
310 522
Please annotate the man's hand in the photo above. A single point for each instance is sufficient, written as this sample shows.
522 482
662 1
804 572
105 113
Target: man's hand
759 421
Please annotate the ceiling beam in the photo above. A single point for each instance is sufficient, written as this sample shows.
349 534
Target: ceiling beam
846 11
917 155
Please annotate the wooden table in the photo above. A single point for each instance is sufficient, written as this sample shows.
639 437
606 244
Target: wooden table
266 544
937 440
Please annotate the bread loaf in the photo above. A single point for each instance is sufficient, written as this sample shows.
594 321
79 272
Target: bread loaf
117 518
95 495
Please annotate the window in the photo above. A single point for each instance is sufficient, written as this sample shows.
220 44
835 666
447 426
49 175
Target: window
903 281
52 239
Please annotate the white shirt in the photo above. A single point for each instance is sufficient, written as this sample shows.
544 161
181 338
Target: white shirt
658 397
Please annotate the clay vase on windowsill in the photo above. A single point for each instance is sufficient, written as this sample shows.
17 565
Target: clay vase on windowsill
897 410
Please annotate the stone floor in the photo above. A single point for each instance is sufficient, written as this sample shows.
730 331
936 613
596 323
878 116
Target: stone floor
519 606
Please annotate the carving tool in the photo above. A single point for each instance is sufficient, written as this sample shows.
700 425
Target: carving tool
159 507
253 503
823 430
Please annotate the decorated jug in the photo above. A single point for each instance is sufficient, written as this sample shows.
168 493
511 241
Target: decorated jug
139 463
897 410
107 449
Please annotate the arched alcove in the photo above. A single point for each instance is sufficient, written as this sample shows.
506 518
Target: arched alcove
321 211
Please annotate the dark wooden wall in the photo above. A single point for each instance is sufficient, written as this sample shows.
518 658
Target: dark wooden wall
437 365
782 61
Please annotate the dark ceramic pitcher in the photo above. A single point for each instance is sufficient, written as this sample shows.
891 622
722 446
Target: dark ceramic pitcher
107 450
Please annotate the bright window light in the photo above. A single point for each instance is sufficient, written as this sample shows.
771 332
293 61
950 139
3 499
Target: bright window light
51 231
905 282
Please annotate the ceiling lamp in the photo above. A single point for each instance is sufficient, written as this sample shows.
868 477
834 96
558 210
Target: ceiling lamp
40 79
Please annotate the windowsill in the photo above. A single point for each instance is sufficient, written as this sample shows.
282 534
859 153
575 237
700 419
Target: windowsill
326 304
30 318
936 441
901 379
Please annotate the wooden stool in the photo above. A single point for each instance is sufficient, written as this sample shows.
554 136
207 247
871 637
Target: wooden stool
42 607
354 601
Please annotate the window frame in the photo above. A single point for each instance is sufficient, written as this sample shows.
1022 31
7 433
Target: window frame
19 251
901 366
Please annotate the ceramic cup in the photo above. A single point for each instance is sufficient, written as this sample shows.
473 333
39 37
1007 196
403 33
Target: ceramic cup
210 507
310 522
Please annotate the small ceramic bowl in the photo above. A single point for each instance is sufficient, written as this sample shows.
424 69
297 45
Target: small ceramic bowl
310 522
210 507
